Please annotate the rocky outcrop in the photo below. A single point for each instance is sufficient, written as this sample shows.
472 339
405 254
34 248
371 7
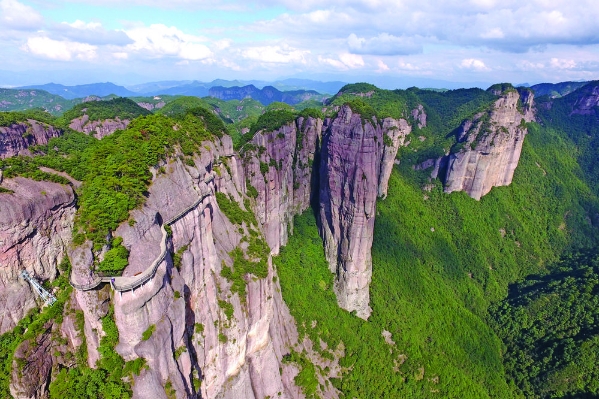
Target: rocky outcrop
98 129
16 138
152 106
35 230
357 156
419 116
587 100
489 145
278 165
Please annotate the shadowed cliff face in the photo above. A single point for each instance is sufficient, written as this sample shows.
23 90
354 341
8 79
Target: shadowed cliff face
491 144
357 158
15 139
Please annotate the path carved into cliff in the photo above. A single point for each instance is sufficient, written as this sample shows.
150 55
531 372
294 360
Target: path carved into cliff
120 283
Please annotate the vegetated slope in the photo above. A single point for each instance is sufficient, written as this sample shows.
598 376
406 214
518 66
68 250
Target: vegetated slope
20 100
115 170
180 105
121 108
549 325
556 90
78 91
439 262
577 117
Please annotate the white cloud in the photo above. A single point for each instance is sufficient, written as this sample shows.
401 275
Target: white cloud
346 61
120 55
562 63
383 44
19 16
474 64
158 40
276 54
59 50
382 67
91 32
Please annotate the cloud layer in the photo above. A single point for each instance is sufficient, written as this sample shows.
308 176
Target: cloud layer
458 40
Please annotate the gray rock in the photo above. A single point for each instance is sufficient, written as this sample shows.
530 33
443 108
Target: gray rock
355 167
17 138
491 146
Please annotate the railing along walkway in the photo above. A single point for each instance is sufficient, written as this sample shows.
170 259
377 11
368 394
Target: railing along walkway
120 283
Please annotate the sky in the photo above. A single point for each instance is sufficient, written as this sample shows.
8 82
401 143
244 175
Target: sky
469 42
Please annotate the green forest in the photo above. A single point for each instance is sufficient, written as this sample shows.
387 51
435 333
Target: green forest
497 298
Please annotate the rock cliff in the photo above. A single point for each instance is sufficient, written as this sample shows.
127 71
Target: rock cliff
278 165
489 145
16 138
357 158
35 230
98 129
199 333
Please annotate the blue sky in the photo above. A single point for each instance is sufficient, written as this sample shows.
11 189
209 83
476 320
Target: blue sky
467 41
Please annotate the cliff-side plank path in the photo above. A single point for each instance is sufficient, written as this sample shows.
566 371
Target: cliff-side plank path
120 283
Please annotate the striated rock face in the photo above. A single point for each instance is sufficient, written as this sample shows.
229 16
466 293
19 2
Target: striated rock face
35 229
587 101
98 129
236 354
278 165
491 144
357 157
16 138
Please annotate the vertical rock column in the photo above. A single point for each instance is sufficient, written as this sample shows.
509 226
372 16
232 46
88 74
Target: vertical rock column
350 173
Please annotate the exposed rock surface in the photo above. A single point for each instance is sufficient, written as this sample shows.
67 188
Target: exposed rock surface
352 173
278 165
16 138
419 115
235 356
491 144
152 106
98 129
587 100
35 229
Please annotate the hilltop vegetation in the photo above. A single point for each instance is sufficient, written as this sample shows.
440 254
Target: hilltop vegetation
115 171
25 99
122 108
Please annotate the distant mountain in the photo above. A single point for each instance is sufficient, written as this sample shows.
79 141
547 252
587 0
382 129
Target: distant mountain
93 89
21 99
307 84
556 90
198 88
266 95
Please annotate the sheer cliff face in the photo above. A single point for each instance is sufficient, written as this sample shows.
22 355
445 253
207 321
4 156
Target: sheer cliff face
279 165
35 228
357 157
236 354
15 139
491 145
